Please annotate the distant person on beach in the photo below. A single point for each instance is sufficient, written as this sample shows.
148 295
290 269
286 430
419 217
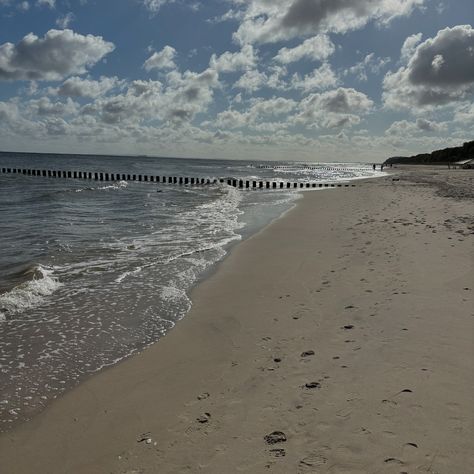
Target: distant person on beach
381 167
373 167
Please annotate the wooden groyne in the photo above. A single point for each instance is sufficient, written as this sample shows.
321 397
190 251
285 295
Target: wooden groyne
309 167
176 180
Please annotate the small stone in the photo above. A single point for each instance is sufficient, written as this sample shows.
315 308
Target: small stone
312 385
203 396
307 353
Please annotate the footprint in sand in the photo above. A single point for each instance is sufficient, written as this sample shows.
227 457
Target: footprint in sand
204 418
311 461
389 402
393 461
277 452
275 437
405 390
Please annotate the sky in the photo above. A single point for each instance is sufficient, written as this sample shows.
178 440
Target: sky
309 80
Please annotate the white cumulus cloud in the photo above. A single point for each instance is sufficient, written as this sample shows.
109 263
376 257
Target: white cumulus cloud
338 108
318 48
154 5
78 87
230 62
319 79
439 71
269 21
163 59
65 20
57 55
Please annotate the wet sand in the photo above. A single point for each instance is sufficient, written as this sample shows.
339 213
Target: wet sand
337 340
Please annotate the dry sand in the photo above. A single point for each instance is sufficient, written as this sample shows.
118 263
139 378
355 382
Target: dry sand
377 280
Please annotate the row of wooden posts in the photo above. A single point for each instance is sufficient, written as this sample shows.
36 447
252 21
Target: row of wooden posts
308 167
236 183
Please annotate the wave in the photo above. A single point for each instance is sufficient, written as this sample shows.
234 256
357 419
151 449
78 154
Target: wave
30 293
117 185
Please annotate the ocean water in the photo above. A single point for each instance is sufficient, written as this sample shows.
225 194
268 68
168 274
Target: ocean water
92 272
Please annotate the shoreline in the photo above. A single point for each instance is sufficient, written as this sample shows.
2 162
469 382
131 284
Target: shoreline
242 233
237 354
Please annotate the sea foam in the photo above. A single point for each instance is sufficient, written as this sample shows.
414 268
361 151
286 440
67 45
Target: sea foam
29 294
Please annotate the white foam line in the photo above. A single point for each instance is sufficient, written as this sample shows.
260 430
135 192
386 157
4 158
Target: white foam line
30 294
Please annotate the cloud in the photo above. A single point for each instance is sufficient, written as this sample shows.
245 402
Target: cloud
257 115
230 62
44 106
464 114
8 111
404 128
272 107
163 59
318 48
65 20
409 47
176 101
439 71
78 87
230 15
231 119
58 55
319 79
154 5
270 21
251 81
12 122
47 3
370 64
338 108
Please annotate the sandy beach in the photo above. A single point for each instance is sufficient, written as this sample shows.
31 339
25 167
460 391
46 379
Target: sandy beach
337 340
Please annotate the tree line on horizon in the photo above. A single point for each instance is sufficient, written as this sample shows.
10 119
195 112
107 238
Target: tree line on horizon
445 156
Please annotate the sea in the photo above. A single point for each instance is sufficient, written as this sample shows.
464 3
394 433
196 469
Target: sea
92 272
